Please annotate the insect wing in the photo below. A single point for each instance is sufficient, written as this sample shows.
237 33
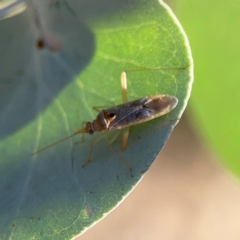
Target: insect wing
141 110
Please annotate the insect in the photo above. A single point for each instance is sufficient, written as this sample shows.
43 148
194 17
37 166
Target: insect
124 116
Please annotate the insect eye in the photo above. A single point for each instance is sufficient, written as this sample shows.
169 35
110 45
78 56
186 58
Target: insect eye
89 128
90 131
111 115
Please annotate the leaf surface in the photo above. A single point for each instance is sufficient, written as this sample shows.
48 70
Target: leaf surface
45 95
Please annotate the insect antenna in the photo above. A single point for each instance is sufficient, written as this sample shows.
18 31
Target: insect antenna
78 131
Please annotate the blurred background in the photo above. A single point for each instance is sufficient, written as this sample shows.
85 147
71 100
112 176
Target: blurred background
192 190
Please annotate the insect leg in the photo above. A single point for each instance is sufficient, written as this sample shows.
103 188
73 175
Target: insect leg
83 125
125 138
121 159
91 148
153 130
124 87
124 99
109 144
114 138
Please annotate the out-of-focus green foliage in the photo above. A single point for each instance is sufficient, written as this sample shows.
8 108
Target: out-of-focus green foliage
213 30
45 95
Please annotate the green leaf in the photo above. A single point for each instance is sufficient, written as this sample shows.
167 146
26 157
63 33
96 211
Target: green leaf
45 95
215 103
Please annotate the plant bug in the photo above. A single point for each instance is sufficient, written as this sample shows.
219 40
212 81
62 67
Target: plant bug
124 116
